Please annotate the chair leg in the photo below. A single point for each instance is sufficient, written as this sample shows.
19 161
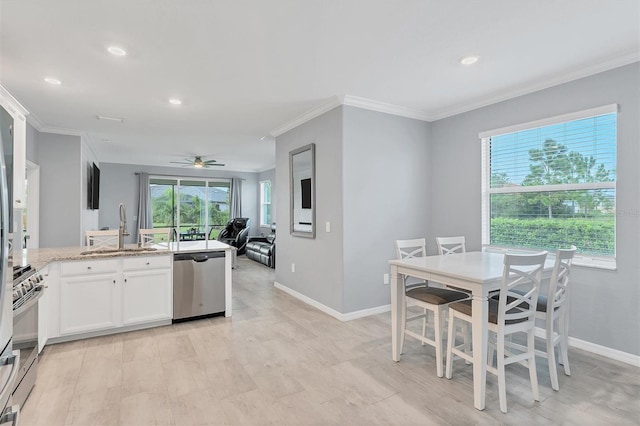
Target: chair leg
502 383
466 332
533 375
451 340
424 324
437 337
551 354
563 329
403 319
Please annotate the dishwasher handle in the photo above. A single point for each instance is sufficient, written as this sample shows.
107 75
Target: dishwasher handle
200 257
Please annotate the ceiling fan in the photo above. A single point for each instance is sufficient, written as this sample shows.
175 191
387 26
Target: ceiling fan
197 162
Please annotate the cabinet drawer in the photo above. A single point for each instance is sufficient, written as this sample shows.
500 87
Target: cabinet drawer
84 267
145 262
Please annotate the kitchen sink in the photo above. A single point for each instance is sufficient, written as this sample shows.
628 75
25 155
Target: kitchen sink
116 251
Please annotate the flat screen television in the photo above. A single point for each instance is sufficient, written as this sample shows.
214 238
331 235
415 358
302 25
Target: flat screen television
306 193
93 196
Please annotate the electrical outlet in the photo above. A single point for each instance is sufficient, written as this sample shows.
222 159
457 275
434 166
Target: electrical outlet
385 279
293 267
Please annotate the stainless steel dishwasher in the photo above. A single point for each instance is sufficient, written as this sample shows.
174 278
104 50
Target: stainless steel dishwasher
198 285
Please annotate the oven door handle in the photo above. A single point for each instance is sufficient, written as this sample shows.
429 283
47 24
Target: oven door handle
10 416
29 302
13 361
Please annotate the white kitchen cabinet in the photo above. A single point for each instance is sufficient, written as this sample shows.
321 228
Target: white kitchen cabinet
147 289
88 302
102 295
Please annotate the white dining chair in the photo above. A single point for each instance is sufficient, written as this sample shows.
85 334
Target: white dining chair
553 308
431 299
154 236
450 245
513 312
97 240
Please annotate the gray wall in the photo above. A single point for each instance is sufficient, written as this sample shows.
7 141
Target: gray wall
318 261
370 179
385 174
119 184
60 190
604 305
271 176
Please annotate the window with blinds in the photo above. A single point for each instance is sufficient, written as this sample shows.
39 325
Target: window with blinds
552 183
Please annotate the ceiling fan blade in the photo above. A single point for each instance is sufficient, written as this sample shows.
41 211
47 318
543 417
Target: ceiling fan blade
180 162
216 164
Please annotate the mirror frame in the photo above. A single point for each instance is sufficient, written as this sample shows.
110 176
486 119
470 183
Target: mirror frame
307 148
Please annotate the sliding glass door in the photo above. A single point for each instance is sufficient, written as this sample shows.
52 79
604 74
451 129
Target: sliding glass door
197 209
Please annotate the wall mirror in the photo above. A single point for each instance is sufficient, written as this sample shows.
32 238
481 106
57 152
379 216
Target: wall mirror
302 191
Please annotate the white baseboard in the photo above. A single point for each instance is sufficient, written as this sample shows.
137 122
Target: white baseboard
330 311
604 351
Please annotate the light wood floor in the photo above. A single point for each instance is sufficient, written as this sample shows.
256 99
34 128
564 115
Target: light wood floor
281 362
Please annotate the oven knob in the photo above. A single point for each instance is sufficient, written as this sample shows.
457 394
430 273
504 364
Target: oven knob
40 278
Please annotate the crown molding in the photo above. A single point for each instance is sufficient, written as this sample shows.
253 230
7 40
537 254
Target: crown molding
35 122
307 116
353 101
62 131
386 108
541 84
9 100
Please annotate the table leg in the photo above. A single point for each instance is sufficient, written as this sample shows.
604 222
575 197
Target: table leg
480 317
397 288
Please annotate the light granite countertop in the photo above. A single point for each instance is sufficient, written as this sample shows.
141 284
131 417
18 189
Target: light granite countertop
39 258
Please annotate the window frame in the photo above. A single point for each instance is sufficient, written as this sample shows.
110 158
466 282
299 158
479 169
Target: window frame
264 203
602 262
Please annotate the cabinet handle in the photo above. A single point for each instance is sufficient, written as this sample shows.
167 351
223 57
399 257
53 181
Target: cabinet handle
88 267
114 281
125 280
147 263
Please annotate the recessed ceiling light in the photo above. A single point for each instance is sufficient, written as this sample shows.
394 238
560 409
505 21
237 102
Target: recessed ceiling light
116 50
53 81
469 60
175 101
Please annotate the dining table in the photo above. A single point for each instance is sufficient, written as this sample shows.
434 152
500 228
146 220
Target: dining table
477 272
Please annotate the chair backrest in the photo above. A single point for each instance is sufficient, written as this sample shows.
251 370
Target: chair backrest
559 282
407 249
450 245
102 239
521 280
154 236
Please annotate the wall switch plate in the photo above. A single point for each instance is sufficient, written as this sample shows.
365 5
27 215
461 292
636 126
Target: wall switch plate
293 267
385 279
327 226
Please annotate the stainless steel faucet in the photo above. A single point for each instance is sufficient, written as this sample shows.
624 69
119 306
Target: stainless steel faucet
122 231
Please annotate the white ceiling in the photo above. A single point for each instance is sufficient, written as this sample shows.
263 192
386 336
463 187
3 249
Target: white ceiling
245 68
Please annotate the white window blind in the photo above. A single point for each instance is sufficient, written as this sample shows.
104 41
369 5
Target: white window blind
552 183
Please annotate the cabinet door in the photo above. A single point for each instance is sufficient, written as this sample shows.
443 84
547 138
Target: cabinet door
147 296
88 303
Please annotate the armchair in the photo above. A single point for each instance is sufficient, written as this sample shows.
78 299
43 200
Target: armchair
263 249
235 233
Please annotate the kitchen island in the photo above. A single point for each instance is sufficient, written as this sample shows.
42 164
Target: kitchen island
97 293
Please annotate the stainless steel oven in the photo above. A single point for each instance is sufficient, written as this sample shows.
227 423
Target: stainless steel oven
28 287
